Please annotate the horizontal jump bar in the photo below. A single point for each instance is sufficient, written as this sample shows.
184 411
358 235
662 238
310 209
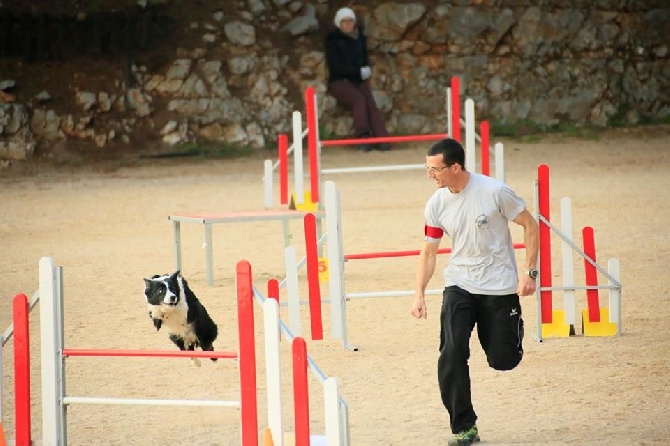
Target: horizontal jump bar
148 402
415 252
580 288
147 353
374 168
408 138
367 294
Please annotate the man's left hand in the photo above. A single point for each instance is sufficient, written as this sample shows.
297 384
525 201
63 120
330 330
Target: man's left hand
527 286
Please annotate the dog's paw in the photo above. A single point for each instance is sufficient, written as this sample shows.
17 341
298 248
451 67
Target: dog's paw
157 323
209 349
196 362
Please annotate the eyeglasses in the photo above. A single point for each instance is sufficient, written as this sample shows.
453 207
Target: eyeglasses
435 169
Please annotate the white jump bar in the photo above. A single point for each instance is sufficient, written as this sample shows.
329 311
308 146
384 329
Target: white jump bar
374 168
148 402
388 294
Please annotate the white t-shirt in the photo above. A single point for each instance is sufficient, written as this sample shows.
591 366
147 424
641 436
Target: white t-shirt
477 221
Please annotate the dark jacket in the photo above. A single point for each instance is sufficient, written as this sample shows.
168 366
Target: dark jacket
345 56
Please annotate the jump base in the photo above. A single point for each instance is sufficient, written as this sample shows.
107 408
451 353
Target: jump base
557 328
307 204
314 440
602 328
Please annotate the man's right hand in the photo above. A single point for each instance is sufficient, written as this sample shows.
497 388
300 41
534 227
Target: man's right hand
419 309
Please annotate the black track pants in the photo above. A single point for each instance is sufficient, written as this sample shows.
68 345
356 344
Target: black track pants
500 331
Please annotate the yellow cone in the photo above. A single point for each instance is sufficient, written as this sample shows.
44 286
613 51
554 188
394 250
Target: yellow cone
267 438
3 441
307 204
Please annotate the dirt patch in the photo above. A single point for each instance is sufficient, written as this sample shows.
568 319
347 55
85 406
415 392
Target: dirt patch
110 229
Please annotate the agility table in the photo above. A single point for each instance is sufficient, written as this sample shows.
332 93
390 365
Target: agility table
209 219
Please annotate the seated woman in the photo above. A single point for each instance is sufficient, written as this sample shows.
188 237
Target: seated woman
348 74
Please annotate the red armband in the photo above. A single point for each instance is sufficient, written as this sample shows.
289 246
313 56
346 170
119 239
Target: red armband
432 232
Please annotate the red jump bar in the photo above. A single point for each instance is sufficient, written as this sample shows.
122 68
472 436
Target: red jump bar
147 353
382 254
408 138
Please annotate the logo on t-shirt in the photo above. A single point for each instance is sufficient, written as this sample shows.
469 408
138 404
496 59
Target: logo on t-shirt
482 221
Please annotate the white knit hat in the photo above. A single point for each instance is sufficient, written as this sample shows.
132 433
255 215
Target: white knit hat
344 13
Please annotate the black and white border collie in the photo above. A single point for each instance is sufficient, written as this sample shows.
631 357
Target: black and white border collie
172 304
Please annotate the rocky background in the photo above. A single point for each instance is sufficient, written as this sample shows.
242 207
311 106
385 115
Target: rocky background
108 75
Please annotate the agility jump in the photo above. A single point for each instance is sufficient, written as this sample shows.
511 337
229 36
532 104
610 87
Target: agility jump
55 399
336 409
310 200
596 321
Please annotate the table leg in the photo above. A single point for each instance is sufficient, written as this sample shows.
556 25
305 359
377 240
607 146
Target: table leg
209 258
176 240
287 235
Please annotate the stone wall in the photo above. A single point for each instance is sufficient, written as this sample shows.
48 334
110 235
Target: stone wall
549 62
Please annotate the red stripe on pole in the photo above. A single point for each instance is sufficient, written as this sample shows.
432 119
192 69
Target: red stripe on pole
89 352
312 134
407 138
283 168
415 252
247 353
300 392
455 109
273 293
545 243
591 274
313 277
21 370
273 289
486 163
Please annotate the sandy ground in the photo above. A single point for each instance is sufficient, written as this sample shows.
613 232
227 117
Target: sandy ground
109 230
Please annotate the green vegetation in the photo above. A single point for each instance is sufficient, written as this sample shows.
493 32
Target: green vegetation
618 118
324 132
214 150
527 131
530 131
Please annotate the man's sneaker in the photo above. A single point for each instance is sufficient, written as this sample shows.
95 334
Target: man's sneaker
465 438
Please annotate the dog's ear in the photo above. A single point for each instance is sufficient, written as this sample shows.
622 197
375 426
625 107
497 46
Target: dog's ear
175 275
147 283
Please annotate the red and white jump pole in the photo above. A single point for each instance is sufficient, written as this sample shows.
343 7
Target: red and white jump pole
284 150
560 323
454 111
335 410
22 420
313 276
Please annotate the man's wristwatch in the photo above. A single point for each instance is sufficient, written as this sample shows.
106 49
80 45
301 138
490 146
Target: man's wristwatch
532 273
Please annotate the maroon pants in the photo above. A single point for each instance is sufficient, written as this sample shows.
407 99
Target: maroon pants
368 120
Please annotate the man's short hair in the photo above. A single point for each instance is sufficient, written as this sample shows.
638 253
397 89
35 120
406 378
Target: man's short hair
451 150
